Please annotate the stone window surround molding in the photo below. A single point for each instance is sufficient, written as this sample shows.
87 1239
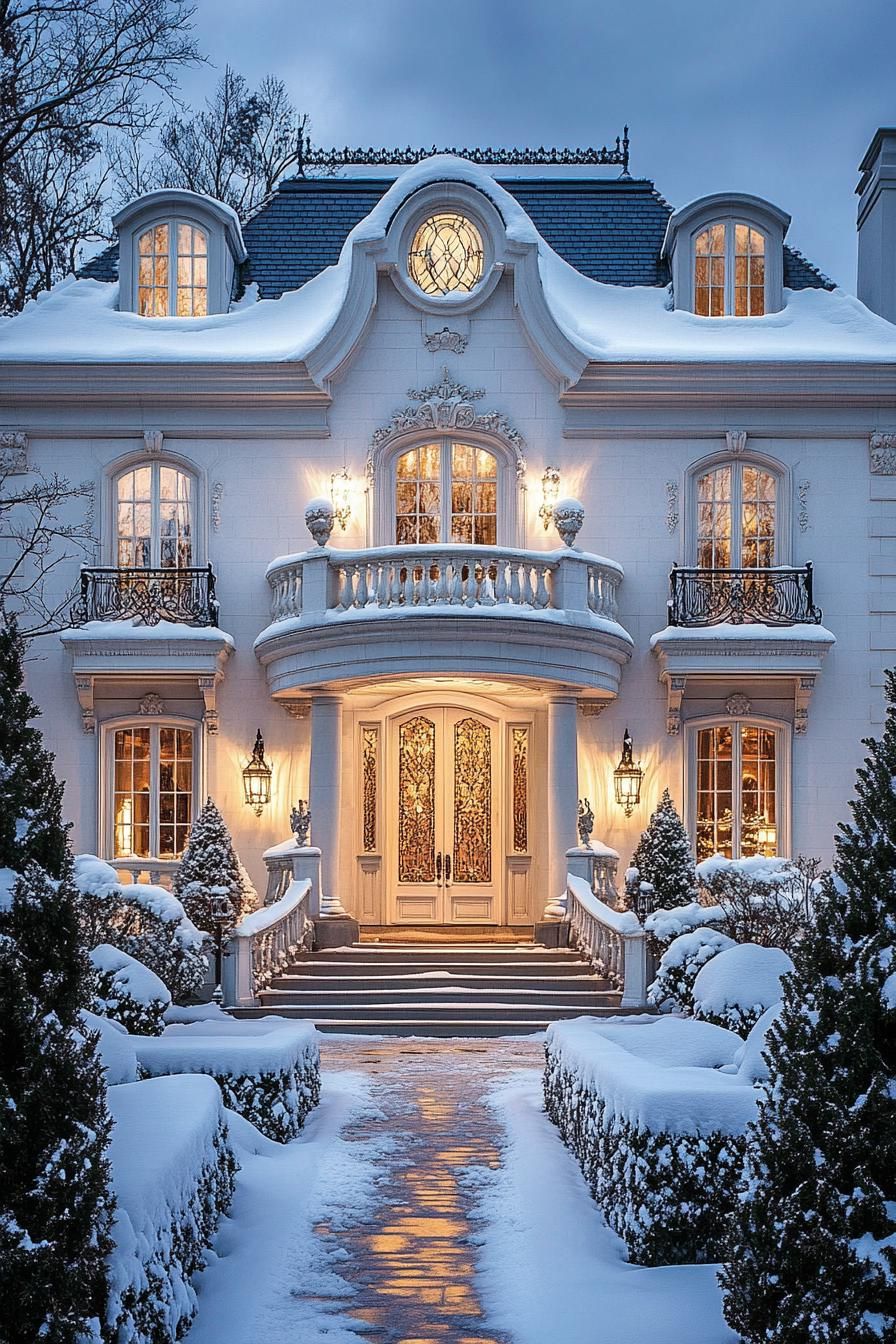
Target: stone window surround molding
737 450
226 249
784 768
721 208
154 450
106 765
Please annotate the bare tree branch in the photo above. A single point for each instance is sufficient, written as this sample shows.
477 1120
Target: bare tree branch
38 534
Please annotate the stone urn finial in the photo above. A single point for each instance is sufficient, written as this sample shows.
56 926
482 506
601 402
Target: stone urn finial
319 518
300 822
569 515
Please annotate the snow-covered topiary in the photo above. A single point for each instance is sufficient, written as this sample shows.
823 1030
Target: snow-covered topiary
128 991
143 920
664 925
664 859
763 898
55 1207
119 1059
736 986
673 989
210 868
813 1258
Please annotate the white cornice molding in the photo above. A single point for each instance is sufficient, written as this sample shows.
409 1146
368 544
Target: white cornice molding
803 384
262 384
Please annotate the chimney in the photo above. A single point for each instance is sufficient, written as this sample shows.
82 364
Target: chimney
877 225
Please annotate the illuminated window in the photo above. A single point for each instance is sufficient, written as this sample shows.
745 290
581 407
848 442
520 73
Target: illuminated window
446 255
737 778
729 271
154 518
446 491
172 271
736 517
152 791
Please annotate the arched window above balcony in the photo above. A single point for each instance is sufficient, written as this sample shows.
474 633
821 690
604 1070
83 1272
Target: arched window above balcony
736 513
154 517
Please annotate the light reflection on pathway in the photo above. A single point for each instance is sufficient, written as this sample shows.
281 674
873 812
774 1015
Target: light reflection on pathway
413 1267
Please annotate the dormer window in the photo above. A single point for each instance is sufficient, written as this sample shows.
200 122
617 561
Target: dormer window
178 255
172 282
727 256
729 271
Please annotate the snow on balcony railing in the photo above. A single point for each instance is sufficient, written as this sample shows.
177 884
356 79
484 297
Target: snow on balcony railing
475 578
613 940
265 943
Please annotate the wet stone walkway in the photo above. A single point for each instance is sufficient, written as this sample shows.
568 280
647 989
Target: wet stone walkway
412 1267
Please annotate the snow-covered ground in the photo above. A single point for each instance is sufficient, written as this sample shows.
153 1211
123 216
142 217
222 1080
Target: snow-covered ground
430 1197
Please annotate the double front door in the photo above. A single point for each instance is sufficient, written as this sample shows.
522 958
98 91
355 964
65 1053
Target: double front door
446 775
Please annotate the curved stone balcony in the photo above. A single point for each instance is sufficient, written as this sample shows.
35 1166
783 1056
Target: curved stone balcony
346 617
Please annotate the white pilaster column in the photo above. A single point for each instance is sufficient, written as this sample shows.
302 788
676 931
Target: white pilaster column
563 788
325 791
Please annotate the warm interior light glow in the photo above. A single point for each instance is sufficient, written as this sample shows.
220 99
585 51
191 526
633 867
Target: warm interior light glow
446 255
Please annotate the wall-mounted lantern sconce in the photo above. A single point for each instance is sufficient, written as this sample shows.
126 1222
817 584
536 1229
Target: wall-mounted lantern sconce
627 778
550 491
341 495
257 777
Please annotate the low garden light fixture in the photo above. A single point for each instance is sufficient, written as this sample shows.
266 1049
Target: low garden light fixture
341 495
627 778
257 777
222 914
550 492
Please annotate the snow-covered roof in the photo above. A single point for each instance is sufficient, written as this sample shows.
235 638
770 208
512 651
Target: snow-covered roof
78 321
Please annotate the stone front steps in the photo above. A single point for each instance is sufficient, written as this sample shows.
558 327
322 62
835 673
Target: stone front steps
438 989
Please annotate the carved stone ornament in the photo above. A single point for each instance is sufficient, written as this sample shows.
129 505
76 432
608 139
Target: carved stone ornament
217 492
585 823
152 704
803 488
446 339
448 405
13 451
671 505
569 515
883 454
153 441
319 518
736 441
737 705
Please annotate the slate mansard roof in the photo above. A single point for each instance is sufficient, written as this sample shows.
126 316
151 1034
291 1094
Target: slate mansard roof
610 230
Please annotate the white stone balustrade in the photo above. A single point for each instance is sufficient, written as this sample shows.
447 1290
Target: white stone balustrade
265 943
612 940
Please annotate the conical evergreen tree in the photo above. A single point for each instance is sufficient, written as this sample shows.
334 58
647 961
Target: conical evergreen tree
210 866
55 1208
664 858
814 1258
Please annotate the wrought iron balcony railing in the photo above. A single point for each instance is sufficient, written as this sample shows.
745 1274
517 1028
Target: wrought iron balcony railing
780 596
183 596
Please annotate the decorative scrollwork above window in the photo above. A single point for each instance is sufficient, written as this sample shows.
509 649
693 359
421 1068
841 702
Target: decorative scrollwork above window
448 405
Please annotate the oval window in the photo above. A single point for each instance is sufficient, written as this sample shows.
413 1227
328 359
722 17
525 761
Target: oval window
446 255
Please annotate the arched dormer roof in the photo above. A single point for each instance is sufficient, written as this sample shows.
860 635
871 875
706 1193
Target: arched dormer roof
686 225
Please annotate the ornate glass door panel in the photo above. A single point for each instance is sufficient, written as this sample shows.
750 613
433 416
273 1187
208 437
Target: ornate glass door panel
447 780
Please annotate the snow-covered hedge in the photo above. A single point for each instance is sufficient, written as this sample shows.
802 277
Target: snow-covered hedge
117 1055
172 1176
664 925
268 1070
143 920
738 985
658 1128
673 989
764 899
128 991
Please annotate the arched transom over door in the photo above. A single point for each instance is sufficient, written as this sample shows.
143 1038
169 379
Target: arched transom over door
446 491
446 779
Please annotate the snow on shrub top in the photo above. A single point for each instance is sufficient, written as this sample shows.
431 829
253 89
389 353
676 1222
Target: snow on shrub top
746 976
668 924
95 877
751 1064
774 871
700 944
138 981
652 1074
271 1045
114 1048
165 907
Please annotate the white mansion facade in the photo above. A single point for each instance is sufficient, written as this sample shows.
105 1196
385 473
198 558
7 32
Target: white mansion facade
577 463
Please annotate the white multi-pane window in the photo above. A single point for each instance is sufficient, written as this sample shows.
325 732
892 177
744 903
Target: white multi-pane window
446 491
736 517
154 518
172 270
152 790
729 271
737 782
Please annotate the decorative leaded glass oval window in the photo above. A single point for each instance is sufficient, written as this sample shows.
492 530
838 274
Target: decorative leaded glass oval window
446 255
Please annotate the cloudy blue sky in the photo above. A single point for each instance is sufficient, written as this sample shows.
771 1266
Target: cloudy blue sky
777 97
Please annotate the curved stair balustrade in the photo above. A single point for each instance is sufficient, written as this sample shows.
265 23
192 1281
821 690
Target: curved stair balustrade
265 943
613 941
449 602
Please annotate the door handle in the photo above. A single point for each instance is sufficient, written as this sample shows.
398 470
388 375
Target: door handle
438 870
447 870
